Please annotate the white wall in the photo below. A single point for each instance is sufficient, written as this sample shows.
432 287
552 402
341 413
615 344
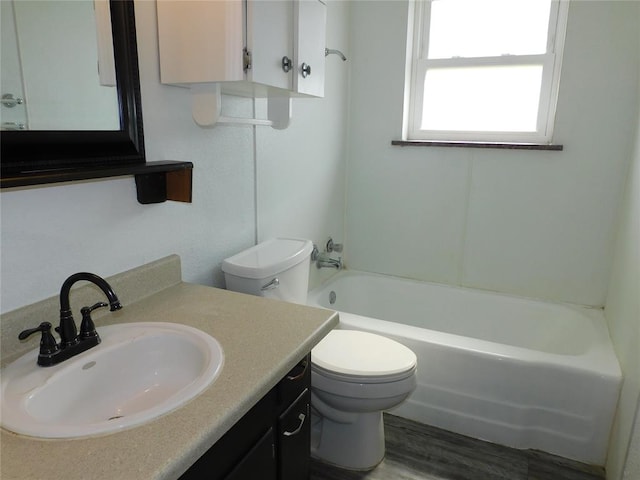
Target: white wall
51 232
622 311
538 224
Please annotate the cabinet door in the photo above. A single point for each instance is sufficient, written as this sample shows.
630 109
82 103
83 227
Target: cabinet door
245 443
200 41
310 36
258 463
269 35
294 440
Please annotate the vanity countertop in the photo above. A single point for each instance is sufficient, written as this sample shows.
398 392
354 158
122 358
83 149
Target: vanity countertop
262 340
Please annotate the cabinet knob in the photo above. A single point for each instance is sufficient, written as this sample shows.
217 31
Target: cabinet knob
286 64
306 70
9 101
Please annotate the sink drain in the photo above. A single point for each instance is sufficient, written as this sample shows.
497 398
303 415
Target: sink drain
115 417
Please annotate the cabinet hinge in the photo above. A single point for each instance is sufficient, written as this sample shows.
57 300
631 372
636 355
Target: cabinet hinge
246 59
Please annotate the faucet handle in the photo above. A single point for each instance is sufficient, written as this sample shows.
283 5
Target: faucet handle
48 344
87 327
333 247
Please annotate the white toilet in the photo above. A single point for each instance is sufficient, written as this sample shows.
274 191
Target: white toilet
354 375
277 268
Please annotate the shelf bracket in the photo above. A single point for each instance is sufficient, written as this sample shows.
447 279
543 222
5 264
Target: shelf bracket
206 108
160 186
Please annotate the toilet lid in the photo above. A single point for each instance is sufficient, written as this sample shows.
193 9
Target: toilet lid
352 352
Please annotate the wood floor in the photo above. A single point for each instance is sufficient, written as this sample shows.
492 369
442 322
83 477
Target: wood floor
420 452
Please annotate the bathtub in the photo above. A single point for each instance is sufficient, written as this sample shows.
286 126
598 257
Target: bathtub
509 370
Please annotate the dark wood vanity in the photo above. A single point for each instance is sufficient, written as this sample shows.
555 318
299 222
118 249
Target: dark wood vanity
272 441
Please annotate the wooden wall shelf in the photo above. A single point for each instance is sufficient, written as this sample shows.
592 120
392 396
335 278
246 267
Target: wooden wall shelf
155 181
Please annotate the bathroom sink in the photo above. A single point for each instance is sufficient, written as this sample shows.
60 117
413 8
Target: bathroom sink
139 372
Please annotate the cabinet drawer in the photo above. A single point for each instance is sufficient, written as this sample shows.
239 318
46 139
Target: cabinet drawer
294 383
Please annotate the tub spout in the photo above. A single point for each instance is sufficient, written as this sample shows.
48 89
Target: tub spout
324 260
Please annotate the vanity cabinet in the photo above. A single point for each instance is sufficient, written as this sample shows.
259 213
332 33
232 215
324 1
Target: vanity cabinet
258 48
271 442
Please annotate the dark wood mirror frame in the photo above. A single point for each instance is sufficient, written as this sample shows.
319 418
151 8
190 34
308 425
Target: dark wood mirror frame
28 151
39 157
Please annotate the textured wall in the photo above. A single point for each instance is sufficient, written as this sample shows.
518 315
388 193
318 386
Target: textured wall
622 311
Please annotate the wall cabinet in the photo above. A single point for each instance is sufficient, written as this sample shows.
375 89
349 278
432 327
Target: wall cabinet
271 442
259 48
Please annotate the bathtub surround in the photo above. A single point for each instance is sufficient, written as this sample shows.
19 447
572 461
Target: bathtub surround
532 223
623 317
538 224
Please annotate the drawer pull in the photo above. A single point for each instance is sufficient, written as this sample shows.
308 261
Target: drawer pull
305 365
302 418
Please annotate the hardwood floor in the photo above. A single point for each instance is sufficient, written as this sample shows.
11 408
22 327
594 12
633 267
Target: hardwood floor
421 452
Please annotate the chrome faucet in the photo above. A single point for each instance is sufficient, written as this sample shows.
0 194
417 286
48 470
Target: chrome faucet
72 343
324 259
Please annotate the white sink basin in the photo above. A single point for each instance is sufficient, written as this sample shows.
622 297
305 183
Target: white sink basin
139 372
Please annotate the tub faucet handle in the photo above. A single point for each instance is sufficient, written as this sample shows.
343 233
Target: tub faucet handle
333 247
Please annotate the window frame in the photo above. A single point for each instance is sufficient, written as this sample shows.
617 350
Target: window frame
418 64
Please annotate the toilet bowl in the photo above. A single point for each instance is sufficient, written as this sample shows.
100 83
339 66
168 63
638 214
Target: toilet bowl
355 375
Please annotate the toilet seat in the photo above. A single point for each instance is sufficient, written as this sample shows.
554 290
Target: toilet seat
362 357
357 379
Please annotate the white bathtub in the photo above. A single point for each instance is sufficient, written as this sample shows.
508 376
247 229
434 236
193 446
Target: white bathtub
509 370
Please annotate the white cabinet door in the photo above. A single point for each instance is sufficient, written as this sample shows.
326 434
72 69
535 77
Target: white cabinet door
200 41
270 39
310 35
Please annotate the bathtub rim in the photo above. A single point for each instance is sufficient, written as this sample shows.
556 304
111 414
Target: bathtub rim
599 358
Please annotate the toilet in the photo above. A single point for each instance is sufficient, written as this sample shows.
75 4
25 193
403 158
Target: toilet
277 268
355 375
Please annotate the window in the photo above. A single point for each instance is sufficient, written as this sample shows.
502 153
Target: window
485 70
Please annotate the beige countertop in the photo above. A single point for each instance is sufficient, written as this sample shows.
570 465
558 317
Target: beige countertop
262 340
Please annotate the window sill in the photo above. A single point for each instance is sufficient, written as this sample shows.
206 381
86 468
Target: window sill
498 145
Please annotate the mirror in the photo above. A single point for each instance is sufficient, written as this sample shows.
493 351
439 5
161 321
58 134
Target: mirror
37 155
65 91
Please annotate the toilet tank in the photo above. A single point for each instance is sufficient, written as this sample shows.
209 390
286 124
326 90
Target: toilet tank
277 268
